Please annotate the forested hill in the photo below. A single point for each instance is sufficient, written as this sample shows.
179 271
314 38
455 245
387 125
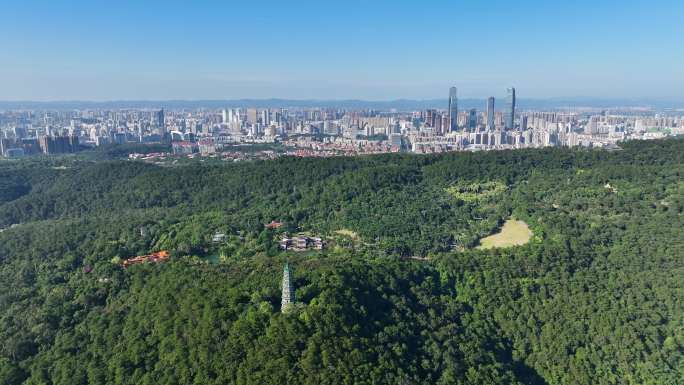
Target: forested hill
400 294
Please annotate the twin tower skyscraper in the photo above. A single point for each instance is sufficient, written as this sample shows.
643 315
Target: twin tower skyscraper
509 114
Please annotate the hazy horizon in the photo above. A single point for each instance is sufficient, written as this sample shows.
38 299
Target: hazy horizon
500 95
353 104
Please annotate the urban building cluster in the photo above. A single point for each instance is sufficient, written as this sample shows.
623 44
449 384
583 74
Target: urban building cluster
330 131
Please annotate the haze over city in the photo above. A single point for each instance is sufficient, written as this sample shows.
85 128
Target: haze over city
381 50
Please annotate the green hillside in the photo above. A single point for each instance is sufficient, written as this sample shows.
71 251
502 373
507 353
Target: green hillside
400 294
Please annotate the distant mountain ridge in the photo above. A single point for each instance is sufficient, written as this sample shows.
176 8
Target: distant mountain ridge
398 104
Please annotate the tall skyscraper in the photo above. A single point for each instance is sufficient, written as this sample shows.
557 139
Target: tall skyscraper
490 113
472 119
287 294
509 119
224 114
159 115
453 109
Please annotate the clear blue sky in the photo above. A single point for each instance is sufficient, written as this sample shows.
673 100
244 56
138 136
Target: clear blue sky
107 50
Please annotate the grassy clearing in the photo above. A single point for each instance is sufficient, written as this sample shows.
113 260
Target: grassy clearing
513 233
348 233
475 192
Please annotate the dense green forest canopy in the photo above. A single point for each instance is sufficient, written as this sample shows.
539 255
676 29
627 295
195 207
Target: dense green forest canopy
400 294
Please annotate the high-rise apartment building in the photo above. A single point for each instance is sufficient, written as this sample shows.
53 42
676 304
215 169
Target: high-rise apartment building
490 113
58 145
523 123
430 118
251 115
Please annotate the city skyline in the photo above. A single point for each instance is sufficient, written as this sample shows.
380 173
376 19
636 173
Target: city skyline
330 132
378 51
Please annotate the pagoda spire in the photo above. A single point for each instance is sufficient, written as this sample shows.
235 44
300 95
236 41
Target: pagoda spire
287 294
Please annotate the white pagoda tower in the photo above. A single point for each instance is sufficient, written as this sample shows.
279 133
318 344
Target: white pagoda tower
288 294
